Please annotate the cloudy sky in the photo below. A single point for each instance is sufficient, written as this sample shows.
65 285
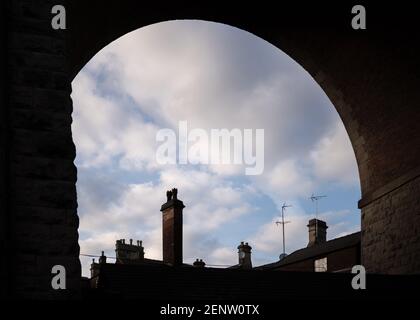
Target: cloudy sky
213 76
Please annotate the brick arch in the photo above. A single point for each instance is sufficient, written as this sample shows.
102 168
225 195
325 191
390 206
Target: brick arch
370 77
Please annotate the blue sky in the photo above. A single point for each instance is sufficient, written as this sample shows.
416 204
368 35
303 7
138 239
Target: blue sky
213 76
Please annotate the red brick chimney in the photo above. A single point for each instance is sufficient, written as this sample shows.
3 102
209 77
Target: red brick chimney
172 228
317 232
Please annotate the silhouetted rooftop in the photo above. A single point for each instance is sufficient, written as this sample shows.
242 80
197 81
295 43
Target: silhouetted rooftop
178 283
316 250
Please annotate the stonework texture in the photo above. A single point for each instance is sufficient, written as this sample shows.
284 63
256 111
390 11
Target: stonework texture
42 194
391 231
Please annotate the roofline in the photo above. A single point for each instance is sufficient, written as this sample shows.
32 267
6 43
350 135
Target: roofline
280 263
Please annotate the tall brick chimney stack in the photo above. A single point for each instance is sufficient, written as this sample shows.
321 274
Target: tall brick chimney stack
172 228
317 232
244 252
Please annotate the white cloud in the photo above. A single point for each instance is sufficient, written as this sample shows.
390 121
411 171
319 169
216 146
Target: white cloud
224 256
214 77
288 180
268 237
210 203
103 129
333 157
200 75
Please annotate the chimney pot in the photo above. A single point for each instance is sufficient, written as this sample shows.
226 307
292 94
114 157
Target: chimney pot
102 258
129 252
199 263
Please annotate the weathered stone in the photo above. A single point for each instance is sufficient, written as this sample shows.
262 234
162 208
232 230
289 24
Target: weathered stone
390 234
44 193
44 168
42 144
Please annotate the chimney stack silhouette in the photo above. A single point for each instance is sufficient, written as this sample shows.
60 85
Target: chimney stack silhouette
244 253
317 232
172 228
129 252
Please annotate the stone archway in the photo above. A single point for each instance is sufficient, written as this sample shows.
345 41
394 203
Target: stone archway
371 78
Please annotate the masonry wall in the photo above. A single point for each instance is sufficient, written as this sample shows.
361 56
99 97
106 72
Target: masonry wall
391 231
4 223
41 174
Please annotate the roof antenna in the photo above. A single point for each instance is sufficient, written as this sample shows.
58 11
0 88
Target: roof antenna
315 199
282 222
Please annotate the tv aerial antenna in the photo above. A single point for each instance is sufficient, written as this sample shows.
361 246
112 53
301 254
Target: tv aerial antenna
282 222
315 199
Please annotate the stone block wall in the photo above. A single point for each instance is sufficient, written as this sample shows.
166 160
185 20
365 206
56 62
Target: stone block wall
391 231
42 194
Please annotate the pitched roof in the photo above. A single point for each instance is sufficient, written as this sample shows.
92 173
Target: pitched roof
142 261
315 251
178 283
146 261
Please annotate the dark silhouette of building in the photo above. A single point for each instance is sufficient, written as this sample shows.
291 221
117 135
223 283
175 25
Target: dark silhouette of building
172 228
131 270
133 276
128 253
133 254
336 255
244 257
317 232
